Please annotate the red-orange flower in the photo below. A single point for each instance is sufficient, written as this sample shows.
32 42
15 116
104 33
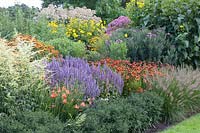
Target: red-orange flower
64 96
64 101
83 104
53 94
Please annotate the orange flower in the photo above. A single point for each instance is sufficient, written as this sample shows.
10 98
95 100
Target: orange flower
67 92
64 96
140 90
83 104
53 95
59 90
76 106
64 101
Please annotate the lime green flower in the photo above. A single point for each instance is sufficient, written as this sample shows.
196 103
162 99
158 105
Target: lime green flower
126 35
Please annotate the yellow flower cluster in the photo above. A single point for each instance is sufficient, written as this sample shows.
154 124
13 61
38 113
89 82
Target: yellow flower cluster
138 3
84 30
53 25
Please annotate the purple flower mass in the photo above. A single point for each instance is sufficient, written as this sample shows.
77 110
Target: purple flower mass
77 73
118 23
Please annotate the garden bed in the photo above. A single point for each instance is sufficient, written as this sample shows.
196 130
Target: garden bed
114 68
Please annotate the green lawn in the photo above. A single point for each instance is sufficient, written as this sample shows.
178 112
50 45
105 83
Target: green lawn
191 125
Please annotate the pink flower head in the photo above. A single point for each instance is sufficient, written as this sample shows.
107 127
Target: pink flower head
83 104
76 106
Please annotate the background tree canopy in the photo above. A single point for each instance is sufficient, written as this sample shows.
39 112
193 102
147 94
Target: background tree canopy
88 3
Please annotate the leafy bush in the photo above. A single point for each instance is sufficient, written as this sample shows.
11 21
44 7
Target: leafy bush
109 10
133 114
180 89
41 48
144 45
68 47
135 10
94 56
45 30
15 19
181 19
21 77
25 122
118 51
76 73
87 31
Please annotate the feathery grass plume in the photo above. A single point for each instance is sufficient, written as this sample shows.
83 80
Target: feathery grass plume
181 90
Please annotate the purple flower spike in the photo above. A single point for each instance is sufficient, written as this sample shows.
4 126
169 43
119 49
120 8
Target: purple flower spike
77 73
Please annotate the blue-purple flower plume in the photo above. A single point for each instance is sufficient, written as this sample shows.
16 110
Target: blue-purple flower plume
77 73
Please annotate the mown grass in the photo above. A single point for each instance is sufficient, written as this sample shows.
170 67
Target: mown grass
191 125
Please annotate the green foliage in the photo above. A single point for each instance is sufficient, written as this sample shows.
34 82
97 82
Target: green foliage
87 31
21 78
80 3
132 114
15 19
62 103
44 30
118 51
24 122
181 19
94 56
68 47
67 3
143 45
181 92
109 10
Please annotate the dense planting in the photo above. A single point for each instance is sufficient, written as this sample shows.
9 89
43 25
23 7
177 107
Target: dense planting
115 66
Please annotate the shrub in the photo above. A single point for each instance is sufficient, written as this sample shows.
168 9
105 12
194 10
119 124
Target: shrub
41 48
181 19
135 10
25 122
84 31
132 114
13 20
109 10
68 47
94 56
45 30
21 77
118 51
144 45
180 90
89 80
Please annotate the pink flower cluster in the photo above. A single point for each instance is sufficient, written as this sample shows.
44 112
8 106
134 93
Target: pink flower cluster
120 22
